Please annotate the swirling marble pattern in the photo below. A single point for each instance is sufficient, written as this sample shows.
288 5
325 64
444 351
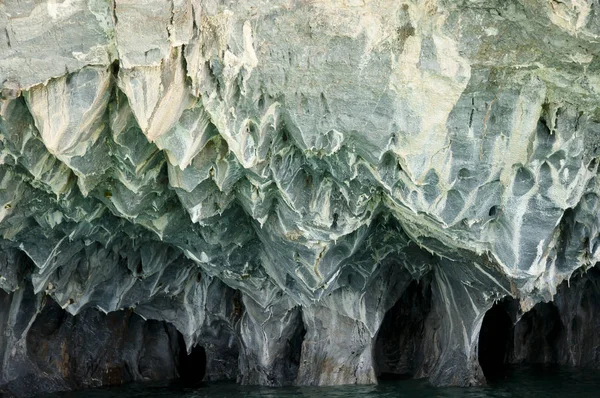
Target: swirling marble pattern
278 165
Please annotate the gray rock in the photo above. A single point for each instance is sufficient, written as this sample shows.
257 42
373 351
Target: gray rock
265 176
271 341
560 332
45 349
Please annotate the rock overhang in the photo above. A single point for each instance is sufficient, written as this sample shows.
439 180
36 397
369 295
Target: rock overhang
299 153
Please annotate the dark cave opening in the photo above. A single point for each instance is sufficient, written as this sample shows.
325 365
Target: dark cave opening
495 339
295 346
91 349
191 366
536 338
288 367
398 350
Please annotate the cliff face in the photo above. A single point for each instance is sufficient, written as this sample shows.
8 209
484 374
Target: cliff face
271 177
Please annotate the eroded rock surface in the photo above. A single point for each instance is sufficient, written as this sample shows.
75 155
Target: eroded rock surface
268 175
561 332
50 350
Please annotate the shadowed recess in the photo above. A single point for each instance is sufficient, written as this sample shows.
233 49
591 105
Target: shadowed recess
192 366
399 344
495 339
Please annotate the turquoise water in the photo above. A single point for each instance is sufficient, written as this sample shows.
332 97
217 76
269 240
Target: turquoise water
522 381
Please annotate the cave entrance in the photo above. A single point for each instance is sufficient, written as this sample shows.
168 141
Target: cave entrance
192 366
538 336
398 351
294 350
495 339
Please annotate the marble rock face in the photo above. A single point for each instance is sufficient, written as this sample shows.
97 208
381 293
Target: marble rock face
271 177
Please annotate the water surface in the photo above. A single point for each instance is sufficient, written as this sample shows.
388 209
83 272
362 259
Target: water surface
520 381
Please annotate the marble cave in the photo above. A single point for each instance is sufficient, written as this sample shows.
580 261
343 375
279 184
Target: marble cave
295 192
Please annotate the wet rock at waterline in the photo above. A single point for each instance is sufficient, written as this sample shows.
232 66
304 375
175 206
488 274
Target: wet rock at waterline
48 349
272 180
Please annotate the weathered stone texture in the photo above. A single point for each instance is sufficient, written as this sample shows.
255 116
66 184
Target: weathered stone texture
250 170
